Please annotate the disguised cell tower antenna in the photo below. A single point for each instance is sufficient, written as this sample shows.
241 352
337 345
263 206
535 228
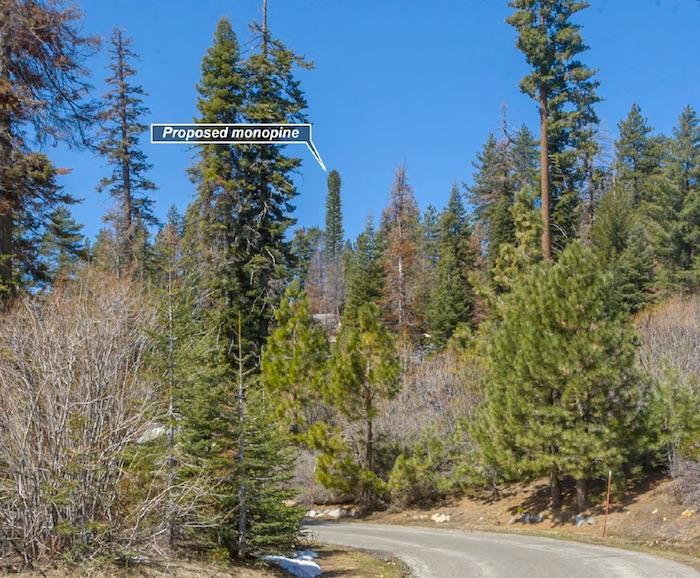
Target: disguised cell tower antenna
264 28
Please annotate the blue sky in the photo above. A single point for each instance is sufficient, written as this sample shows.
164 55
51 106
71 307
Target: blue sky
424 81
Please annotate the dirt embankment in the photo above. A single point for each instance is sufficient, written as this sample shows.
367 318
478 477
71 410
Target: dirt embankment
649 516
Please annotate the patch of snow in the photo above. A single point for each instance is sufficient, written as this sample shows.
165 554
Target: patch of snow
302 565
335 513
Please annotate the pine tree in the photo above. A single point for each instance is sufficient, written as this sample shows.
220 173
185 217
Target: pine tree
62 245
621 244
293 360
364 371
503 169
561 399
452 298
122 127
431 235
516 258
492 196
638 156
365 274
564 90
43 90
682 172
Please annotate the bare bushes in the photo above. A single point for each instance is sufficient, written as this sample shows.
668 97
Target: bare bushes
670 353
438 393
428 425
73 401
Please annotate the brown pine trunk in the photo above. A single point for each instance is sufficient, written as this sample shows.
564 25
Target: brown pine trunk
555 489
581 494
369 449
544 176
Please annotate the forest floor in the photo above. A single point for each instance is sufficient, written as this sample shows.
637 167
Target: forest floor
335 562
650 517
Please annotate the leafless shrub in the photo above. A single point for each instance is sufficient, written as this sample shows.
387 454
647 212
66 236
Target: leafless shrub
670 334
438 392
670 338
73 403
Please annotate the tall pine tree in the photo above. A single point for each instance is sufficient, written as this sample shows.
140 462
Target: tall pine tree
564 89
560 399
122 127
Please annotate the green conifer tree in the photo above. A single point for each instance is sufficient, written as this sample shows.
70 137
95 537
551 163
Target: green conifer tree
622 245
638 156
62 246
682 172
564 89
365 274
237 255
293 360
452 298
122 128
561 395
304 245
364 371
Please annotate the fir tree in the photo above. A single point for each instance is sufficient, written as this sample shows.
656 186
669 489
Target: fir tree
564 90
43 90
452 299
492 196
365 274
683 219
622 245
503 169
237 254
638 156
516 258
62 245
121 130
560 399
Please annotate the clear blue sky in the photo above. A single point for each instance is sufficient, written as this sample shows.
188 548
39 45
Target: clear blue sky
423 81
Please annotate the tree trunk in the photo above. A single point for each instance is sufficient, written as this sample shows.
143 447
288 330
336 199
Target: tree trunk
369 459
581 494
555 489
242 494
7 204
127 209
544 176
